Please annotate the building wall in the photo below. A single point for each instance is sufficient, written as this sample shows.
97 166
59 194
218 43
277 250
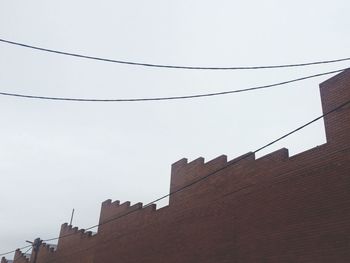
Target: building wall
272 209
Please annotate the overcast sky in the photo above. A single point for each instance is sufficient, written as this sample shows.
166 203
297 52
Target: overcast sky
55 156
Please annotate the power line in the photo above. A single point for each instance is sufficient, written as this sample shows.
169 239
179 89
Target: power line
171 97
170 66
215 172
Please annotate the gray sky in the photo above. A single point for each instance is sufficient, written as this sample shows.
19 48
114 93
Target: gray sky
58 155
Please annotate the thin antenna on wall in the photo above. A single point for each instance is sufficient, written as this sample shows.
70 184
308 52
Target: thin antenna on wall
71 218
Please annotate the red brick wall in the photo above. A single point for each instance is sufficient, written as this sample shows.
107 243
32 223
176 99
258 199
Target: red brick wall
272 209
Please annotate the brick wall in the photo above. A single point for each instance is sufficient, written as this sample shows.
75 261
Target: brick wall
273 209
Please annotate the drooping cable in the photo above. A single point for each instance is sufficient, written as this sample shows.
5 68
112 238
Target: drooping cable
170 66
171 97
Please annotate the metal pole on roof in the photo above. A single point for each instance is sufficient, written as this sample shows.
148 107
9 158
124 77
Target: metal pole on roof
71 218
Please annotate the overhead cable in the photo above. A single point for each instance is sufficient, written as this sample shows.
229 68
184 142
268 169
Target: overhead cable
169 66
182 97
243 157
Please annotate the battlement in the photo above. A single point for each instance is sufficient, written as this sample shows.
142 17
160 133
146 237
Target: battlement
184 173
21 257
49 248
72 236
111 210
46 252
276 156
69 230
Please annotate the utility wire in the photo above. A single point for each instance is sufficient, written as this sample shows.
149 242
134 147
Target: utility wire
172 97
215 172
170 66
